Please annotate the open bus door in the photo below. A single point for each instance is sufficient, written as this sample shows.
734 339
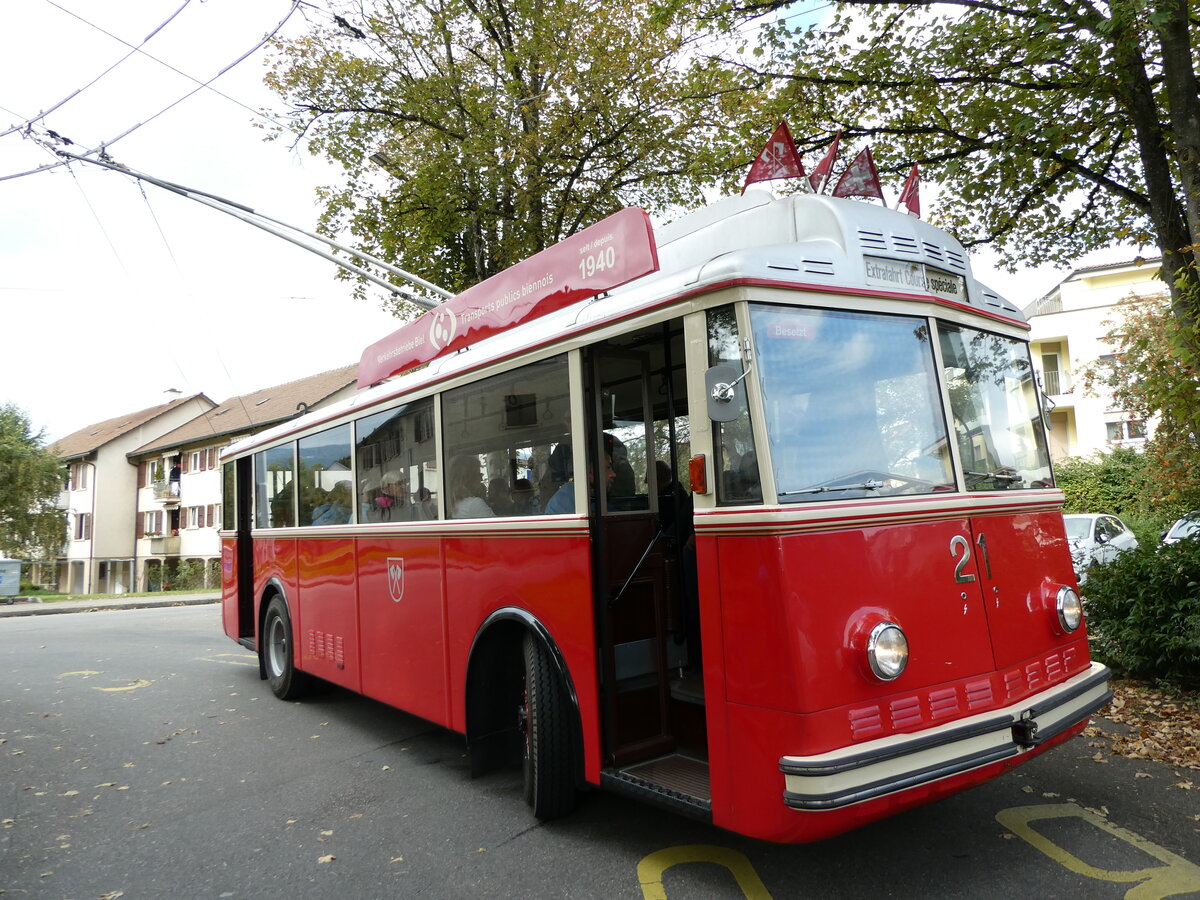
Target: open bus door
244 522
653 725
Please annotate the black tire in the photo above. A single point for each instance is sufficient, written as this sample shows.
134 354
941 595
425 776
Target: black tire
547 722
278 654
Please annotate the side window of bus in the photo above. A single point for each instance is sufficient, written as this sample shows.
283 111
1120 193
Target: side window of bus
323 483
397 465
736 462
275 487
500 436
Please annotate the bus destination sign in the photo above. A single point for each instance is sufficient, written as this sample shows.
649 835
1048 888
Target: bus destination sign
914 276
603 256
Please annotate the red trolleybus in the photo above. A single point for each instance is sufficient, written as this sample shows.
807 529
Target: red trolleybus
750 515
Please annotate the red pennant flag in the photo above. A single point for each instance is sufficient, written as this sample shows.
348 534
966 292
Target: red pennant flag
861 178
778 159
910 194
820 175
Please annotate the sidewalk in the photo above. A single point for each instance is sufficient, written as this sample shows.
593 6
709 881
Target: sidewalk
33 608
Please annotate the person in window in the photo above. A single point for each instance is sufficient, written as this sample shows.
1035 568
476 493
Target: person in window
391 503
423 506
563 501
499 497
465 490
524 498
368 490
336 508
674 504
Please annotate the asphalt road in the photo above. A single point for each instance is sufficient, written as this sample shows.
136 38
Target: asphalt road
141 757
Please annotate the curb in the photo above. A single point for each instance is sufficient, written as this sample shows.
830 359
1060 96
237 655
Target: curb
78 606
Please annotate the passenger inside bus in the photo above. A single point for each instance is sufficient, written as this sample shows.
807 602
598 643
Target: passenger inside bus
524 498
499 497
392 501
335 510
563 500
742 480
465 490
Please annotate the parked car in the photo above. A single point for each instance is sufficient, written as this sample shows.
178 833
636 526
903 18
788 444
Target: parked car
1096 538
1186 527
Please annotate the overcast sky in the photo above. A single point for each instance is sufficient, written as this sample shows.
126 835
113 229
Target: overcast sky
113 293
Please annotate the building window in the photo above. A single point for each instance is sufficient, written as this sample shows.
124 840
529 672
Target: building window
152 523
83 526
79 474
1131 430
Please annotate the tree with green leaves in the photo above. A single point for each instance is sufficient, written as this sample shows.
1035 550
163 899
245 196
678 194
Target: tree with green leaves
31 525
477 132
1053 126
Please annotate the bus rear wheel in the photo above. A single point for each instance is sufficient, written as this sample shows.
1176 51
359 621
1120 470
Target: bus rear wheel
279 654
545 717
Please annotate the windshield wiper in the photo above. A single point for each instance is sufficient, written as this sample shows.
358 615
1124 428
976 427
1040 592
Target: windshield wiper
864 486
998 476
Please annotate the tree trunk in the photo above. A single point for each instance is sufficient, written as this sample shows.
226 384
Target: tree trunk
1166 212
1183 104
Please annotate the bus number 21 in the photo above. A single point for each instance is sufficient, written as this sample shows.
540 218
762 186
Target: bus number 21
959 543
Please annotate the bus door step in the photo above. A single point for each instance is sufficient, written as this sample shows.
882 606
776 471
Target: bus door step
675 782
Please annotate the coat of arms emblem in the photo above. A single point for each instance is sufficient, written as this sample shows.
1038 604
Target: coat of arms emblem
395 576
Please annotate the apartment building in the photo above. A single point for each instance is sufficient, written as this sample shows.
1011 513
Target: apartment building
1068 326
99 497
178 488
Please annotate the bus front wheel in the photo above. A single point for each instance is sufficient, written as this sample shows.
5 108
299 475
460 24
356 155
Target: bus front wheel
545 717
279 653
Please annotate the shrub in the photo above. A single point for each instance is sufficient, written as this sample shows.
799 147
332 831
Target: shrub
189 575
1143 612
1111 482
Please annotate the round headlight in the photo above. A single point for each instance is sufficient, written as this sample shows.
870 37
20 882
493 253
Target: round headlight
1070 609
887 651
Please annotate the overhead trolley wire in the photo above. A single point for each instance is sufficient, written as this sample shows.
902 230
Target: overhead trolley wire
281 230
100 149
75 93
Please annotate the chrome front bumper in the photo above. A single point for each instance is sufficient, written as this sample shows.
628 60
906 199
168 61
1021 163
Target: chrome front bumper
876 768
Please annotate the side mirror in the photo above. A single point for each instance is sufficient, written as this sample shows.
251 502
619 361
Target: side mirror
726 399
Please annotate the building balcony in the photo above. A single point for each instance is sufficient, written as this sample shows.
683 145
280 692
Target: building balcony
166 491
165 545
1056 381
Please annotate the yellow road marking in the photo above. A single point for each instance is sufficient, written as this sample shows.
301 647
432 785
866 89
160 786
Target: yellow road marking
1176 876
236 661
651 869
140 683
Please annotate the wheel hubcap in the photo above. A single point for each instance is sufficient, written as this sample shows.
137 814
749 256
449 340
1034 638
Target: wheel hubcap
277 647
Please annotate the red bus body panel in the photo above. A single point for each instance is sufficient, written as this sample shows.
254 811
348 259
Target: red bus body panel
412 652
404 659
786 675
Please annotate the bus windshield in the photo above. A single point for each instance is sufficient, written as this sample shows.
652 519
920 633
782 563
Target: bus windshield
997 420
852 404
